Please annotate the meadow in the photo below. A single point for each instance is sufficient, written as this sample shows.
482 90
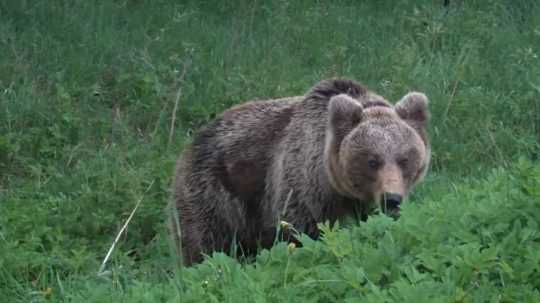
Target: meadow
98 99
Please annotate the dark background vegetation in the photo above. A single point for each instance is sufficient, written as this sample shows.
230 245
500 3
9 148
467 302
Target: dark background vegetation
88 122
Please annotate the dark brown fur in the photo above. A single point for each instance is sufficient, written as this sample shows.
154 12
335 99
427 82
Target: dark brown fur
298 159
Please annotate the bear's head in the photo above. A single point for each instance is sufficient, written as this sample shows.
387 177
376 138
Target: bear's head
376 153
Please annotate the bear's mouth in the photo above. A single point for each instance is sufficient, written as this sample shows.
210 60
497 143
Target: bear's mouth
390 210
392 213
391 204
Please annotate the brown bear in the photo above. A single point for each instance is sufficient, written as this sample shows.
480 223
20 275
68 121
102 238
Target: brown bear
336 151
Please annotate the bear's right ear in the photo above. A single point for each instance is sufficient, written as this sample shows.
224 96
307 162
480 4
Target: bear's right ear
344 113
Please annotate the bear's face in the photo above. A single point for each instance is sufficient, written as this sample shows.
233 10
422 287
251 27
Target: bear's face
379 153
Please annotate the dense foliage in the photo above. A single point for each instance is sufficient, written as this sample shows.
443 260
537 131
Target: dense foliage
479 243
97 99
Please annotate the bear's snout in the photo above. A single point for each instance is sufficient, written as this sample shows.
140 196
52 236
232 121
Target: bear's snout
391 202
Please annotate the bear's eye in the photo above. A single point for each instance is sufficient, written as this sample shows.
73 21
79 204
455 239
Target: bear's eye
403 162
373 163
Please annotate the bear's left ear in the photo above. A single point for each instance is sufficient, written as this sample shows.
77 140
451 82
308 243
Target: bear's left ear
344 113
414 107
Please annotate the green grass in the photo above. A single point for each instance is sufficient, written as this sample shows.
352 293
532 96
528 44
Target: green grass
87 92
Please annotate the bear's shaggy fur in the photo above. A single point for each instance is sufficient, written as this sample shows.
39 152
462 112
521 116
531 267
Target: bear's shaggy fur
303 160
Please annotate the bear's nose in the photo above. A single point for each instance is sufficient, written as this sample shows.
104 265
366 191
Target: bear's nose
392 201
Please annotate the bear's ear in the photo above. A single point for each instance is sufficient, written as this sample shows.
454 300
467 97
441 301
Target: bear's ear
344 113
413 107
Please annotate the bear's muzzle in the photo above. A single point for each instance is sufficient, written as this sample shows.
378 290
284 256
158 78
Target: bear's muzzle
391 203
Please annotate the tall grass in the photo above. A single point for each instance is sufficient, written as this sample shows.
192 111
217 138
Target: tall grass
88 89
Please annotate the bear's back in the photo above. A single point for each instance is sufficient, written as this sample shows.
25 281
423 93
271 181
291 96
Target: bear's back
236 148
